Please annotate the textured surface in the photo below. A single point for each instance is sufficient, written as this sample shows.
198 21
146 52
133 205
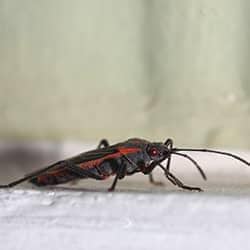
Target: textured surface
90 220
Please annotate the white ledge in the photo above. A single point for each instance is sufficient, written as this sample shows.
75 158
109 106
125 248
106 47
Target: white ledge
137 216
66 219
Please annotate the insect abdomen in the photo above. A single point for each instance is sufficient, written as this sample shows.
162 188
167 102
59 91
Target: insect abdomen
59 176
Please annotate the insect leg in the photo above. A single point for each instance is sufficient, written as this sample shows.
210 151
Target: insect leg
103 144
153 181
177 182
151 177
169 144
183 186
118 175
120 171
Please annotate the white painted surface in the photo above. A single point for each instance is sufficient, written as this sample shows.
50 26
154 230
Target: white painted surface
95 220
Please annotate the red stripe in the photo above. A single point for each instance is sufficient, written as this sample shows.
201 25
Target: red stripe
121 151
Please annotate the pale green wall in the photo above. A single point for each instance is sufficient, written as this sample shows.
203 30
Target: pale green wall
157 69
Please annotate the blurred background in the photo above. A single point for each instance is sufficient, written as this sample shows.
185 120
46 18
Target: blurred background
78 71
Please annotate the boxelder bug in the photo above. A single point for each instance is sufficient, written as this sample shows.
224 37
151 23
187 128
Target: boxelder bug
121 159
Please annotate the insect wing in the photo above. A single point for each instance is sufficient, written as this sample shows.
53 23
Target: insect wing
93 155
58 173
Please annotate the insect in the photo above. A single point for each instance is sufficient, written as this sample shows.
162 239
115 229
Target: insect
121 159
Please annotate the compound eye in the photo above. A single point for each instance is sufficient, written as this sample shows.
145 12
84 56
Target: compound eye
153 151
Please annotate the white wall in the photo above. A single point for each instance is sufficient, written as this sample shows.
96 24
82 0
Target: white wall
157 69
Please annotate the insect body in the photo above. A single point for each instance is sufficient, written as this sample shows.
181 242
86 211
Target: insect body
121 159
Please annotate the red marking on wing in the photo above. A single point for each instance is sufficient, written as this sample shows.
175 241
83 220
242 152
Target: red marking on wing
128 150
121 151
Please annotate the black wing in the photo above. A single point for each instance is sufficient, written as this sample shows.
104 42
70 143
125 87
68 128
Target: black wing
93 155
